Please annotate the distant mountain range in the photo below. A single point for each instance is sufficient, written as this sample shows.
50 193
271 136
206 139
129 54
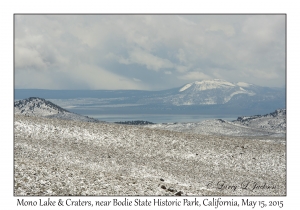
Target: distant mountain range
199 97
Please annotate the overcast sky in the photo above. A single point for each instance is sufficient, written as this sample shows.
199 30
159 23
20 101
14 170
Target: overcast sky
149 52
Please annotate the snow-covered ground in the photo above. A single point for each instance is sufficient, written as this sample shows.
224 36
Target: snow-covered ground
273 124
64 157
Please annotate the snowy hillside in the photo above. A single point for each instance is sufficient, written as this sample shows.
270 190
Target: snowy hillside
63 158
273 124
37 106
40 107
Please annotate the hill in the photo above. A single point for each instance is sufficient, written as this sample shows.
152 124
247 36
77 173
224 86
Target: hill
273 124
40 107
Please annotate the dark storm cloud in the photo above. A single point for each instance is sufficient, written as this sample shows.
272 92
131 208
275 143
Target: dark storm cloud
147 51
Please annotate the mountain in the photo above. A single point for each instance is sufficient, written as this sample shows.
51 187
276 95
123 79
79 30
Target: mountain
213 92
208 92
40 107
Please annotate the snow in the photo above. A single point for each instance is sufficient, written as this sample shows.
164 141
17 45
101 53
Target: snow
37 106
209 101
207 85
207 92
273 122
241 91
268 125
218 128
185 87
59 157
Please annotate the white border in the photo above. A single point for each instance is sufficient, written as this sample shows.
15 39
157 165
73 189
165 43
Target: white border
8 8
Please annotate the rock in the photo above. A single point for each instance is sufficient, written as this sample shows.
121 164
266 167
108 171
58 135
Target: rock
161 179
171 189
179 193
163 187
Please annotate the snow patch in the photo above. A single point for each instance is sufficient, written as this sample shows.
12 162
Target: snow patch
185 87
212 84
242 91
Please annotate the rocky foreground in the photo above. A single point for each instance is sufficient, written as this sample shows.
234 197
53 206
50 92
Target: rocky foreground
60 157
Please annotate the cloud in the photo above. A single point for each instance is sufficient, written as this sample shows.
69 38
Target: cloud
82 77
37 79
119 59
137 80
264 28
182 69
228 30
29 58
98 78
186 21
144 58
181 56
263 74
148 47
195 75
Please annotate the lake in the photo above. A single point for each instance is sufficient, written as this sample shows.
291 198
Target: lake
90 107
161 118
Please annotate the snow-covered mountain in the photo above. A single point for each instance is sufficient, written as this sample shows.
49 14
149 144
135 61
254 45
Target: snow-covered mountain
209 92
40 107
215 92
273 124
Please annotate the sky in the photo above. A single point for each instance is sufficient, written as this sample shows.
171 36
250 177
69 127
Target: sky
147 52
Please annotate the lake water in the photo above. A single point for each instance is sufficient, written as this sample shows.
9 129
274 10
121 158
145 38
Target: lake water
79 106
161 118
